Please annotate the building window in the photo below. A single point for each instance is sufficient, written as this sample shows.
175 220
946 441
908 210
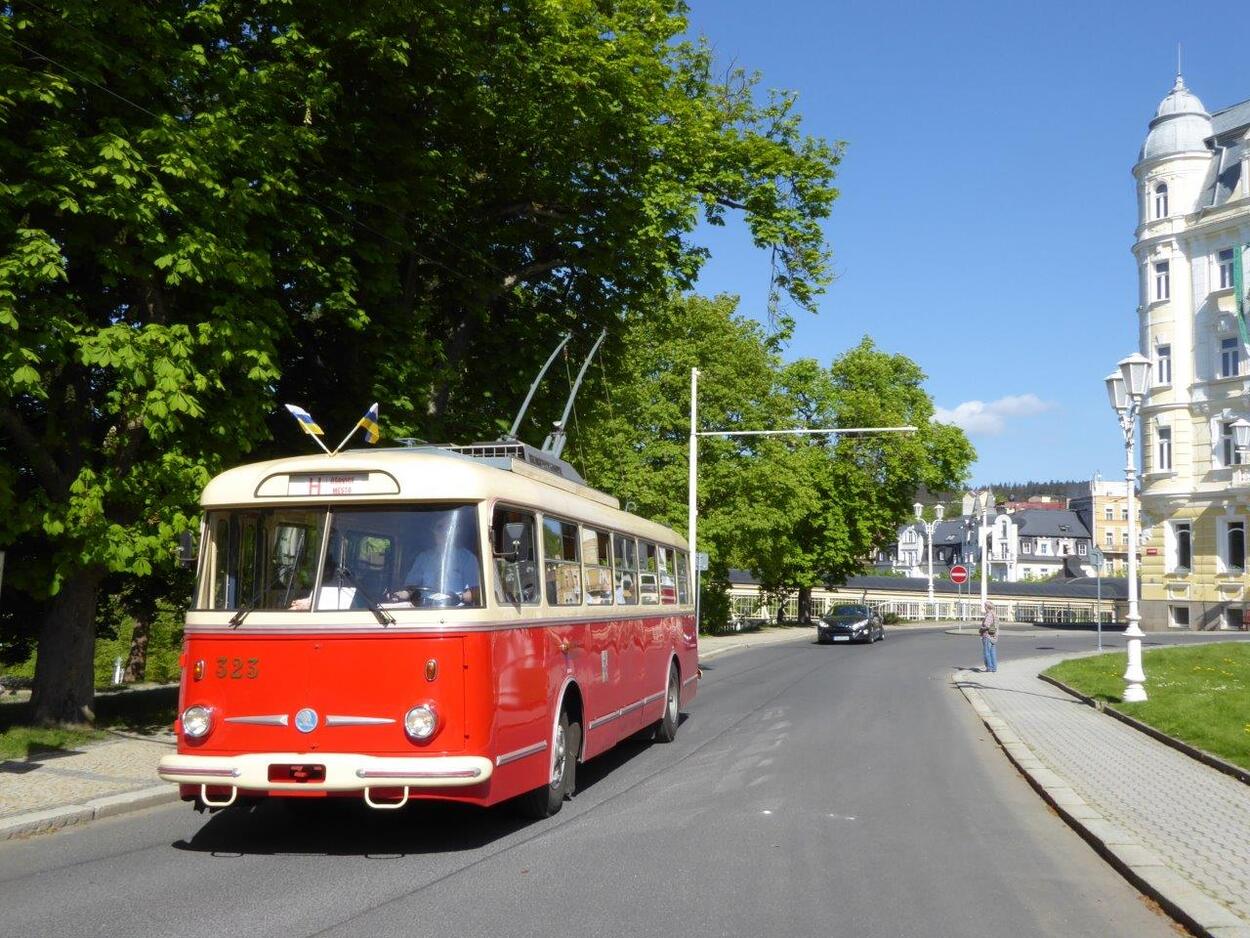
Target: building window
1082 548
1234 547
1163 364
1232 618
1226 268
1026 547
1123 514
1164 463
1178 617
1043 547
1230 357
1109 512
1110 538
1163 280
1228 448
1181 555
1161 200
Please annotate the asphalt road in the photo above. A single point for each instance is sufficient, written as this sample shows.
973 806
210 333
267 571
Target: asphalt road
812 790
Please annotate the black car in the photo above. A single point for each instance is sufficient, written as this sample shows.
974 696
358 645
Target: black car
852 623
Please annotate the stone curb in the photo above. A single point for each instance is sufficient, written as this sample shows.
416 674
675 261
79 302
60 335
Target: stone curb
1206 758
53 819
1193 909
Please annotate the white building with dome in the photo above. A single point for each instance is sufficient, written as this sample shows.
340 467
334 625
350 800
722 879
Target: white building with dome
1193 197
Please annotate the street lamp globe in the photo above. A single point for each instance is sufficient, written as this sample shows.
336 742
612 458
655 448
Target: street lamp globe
919 510
940 510
1116 392
1135 369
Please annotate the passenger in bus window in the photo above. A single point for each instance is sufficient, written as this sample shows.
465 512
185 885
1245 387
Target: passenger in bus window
445 568
625 591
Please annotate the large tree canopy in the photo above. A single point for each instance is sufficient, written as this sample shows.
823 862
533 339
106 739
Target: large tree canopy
209 207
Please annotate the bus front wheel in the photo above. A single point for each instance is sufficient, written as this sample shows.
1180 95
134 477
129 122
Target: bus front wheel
666 728
566 743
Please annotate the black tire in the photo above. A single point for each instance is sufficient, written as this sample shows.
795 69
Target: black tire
666 728
547 800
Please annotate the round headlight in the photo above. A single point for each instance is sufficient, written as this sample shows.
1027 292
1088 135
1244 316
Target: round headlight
421 722
197 721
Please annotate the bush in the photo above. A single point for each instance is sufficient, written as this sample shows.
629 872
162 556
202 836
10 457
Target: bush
891 618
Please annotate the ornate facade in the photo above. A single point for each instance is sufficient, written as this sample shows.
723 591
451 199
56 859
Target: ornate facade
1193 188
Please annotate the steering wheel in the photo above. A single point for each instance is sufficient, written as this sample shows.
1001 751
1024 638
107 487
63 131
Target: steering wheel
409 593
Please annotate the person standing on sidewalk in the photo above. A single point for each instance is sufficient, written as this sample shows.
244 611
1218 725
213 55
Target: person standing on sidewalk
989 638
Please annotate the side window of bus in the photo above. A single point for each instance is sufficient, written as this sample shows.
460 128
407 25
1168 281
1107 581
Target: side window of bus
625 557
516 564
649 575
563 570
683 577
597 560
668 583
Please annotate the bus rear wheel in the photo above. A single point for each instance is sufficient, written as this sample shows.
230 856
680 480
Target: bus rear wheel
666 729
549 799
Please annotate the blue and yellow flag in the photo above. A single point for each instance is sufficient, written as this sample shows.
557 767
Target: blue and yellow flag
305 420
370 422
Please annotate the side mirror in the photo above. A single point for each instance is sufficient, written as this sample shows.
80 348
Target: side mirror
186 549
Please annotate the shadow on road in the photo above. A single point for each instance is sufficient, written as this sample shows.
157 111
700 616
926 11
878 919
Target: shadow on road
347 827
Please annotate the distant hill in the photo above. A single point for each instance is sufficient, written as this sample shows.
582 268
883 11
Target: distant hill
1019 491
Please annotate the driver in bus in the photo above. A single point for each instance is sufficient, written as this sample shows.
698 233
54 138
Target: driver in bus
445 567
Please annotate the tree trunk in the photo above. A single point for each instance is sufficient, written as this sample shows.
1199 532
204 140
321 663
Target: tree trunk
805 605
137 664
64 688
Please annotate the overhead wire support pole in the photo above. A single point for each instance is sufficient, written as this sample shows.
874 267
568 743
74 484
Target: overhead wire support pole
691 507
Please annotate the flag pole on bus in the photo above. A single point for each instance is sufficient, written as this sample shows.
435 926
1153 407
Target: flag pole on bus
370 422
308 425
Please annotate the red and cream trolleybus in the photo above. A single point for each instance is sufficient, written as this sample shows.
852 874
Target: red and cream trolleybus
459 623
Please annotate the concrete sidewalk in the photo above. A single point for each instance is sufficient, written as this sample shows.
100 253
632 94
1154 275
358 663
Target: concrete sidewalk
1177 829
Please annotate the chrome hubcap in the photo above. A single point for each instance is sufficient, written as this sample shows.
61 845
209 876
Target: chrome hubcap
557 767
672 700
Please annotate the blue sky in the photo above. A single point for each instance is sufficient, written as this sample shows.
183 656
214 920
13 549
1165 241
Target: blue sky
987 205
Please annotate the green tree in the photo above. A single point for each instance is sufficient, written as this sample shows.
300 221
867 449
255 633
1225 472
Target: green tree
207 208
634 441
845 496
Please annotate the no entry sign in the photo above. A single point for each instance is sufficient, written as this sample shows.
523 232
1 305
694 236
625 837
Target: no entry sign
959 574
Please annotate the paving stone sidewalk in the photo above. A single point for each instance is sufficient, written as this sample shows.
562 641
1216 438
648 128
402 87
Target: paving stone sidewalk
1176 827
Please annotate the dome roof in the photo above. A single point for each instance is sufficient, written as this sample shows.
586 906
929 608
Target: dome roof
1181 124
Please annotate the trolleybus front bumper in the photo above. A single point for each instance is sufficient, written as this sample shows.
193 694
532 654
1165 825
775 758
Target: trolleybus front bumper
342 771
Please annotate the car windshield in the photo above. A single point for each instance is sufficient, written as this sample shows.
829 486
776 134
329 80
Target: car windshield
345 558
849 612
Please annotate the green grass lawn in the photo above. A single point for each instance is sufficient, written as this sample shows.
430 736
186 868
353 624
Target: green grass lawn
22 742
1198 694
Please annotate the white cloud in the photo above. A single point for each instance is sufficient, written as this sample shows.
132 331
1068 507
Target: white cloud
980 418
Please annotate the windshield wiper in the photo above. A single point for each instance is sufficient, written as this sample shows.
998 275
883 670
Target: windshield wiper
237 619
383 616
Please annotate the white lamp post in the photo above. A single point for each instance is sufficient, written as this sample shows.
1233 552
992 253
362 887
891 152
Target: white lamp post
1126 389
983 501
929 527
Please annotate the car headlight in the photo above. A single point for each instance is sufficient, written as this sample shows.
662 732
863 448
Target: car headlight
197 721
421 721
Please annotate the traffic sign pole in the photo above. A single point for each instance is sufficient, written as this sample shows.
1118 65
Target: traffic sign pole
959 576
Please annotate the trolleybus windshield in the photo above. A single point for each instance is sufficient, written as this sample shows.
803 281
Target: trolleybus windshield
322 559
